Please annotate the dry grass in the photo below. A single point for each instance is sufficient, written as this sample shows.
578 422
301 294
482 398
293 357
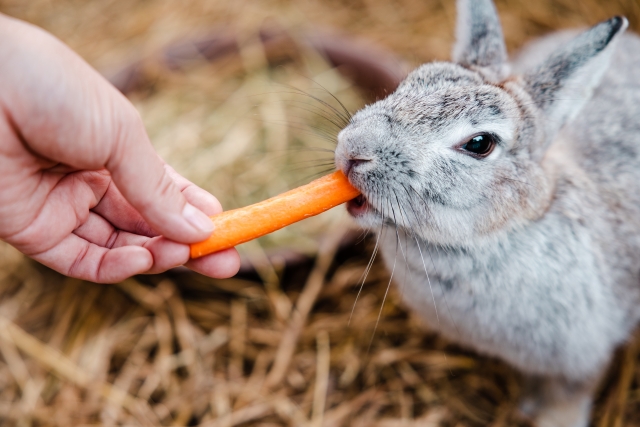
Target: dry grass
280 344
185 350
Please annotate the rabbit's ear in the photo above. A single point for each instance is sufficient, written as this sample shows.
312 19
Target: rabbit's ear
479 40
563 82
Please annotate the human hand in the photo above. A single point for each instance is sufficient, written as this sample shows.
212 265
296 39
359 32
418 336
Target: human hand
83 190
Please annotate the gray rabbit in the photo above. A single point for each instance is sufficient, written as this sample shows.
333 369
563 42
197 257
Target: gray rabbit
507 200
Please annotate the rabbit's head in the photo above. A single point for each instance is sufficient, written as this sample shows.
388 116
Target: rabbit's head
455 153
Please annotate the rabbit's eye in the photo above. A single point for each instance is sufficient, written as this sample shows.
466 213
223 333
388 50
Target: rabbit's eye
480 145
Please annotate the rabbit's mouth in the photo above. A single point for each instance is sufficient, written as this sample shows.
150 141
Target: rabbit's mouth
358 206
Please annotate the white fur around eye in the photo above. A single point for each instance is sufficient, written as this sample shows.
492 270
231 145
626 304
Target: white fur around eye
462 132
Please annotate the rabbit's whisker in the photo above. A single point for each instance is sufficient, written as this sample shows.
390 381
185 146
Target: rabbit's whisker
435 307
363 278
338 113
346 112
384 298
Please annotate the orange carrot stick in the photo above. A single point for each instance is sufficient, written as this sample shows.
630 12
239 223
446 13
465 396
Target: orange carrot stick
244 224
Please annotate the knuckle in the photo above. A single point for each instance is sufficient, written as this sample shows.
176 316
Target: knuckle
166 187
76 269
142 228
113 238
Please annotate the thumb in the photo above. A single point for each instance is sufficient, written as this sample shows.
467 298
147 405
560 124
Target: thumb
143 180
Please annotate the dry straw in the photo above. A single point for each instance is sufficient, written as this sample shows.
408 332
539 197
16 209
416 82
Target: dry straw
276 346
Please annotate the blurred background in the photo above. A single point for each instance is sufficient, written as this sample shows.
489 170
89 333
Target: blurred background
245 98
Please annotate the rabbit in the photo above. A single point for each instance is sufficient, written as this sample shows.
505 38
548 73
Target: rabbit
509 194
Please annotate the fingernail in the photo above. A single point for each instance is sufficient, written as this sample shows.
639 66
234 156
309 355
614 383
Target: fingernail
198 219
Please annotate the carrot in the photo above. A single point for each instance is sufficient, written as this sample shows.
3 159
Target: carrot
244 224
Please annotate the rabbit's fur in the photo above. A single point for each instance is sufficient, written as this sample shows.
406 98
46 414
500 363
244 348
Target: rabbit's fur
531 253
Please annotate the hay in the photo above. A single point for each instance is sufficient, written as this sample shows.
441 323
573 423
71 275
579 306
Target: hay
280 345
187 350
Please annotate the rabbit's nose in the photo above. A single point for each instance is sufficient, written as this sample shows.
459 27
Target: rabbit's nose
354 163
